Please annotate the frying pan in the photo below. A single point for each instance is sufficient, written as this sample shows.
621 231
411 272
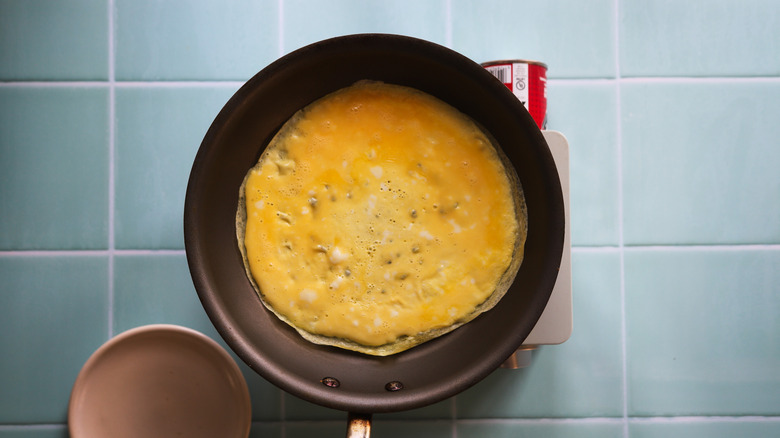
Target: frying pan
328 376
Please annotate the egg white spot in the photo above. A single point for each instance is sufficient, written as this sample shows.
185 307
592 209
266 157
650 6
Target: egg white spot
425 234
386 234
337 256
259 204
308 295
337 282
377 171
455 227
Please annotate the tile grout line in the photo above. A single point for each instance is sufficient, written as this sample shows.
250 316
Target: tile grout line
448 23
708 419
111 164
234 83
280 26
499 420
621 238
620 420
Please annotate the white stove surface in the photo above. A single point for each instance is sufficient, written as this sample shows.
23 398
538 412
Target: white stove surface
556 323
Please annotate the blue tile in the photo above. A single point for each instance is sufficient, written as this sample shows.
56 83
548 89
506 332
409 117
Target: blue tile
699 38
442 410
297 409
308 21
266 430
42 40
48 431
306 429
411 429
706 428
158 132
53 316
54 165
194 39
580 378
700 162
266 398
541 430
586 115
702 332
574 38
157 289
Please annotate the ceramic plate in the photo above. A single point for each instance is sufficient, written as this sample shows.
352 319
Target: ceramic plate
160 381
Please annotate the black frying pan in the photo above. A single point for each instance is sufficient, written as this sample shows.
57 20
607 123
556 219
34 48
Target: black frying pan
329 376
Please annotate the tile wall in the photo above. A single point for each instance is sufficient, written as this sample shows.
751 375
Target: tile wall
672 110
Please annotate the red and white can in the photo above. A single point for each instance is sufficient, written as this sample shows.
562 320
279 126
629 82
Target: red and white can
528 82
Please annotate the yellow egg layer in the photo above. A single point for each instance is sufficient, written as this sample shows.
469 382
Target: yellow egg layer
378 213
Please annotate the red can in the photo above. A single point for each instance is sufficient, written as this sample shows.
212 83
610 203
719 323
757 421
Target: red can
528 81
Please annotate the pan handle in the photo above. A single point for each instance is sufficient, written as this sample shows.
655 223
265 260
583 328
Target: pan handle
359 425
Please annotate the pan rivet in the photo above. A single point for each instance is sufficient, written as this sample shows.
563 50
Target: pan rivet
394 386
330 382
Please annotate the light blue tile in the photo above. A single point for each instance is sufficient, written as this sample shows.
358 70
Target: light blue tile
586 115
297 409
574 38
43 40
266 398
266 430
381 428
158 132
699 38
54 167
442 410
53 316
194 39
319 429
579 378
700 162
157 289
308 21
704 428
541 430
47 431
702 332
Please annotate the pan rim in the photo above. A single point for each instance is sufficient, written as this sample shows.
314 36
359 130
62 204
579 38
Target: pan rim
232 330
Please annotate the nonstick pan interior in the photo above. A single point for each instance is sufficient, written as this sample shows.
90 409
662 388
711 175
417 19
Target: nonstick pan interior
330 376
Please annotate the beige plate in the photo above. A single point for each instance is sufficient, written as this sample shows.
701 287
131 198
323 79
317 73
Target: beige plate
160 381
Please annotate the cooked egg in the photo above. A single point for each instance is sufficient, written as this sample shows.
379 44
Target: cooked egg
394 213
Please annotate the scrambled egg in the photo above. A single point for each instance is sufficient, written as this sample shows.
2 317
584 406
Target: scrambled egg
380 217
